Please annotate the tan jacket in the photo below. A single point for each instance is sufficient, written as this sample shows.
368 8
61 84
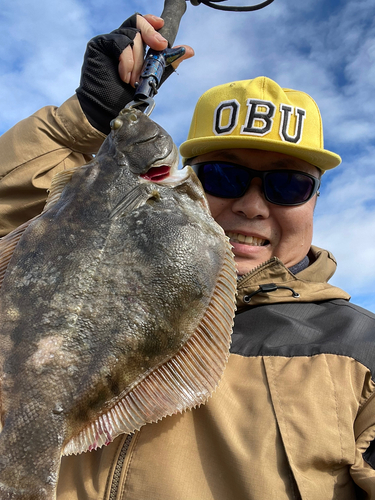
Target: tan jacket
280 426
295 409
33 151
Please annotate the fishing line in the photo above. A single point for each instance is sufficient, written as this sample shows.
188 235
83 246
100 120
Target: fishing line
211 3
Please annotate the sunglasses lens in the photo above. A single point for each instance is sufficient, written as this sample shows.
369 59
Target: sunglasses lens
282 187
287 188
224 181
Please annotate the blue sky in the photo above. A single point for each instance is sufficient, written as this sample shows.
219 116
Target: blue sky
323 47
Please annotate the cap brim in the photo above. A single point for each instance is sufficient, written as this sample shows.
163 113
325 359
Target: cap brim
322 158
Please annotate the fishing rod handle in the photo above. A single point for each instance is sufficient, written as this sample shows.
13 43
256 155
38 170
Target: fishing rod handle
172 14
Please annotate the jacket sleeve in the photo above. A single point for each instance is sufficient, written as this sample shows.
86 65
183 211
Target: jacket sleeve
34 150
363 469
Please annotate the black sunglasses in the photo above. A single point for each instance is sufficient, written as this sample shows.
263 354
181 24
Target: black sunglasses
281 187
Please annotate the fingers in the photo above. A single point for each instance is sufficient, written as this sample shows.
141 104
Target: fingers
131 61
138 54
131 58
148 25
126 64
189 52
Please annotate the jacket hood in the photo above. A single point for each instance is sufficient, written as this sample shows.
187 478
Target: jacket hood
309 285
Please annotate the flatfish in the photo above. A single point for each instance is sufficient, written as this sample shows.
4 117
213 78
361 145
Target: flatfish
116 306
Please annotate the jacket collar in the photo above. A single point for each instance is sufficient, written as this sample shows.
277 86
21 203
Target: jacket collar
309 285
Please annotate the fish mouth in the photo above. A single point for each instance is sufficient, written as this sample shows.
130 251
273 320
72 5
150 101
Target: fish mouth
165 171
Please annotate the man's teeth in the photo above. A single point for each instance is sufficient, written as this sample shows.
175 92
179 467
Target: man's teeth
248 240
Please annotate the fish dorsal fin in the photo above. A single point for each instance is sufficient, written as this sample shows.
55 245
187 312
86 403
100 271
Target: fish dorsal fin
59 181
183 382
134 199
7 245
9 242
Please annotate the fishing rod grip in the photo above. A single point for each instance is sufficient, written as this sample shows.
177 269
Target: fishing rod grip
172 14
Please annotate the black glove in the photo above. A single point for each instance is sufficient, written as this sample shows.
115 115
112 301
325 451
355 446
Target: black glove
102 93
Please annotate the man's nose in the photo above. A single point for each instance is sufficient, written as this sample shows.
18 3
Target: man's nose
253 203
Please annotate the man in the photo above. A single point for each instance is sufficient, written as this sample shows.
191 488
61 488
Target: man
294 414
257 125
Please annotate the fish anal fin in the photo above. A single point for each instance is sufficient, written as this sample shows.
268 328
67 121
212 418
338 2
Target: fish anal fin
185 381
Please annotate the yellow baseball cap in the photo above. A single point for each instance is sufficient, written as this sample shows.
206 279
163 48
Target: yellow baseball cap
258 114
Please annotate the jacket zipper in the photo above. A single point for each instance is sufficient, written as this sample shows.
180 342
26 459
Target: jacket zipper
244 276
118 469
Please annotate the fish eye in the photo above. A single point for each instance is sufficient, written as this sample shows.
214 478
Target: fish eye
133 117
116 124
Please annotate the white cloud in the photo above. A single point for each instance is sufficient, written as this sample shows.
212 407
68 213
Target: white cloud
345 223
44 42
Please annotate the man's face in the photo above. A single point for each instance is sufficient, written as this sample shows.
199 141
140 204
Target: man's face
258 229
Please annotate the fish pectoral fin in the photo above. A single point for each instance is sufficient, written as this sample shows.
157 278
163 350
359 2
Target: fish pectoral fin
134 199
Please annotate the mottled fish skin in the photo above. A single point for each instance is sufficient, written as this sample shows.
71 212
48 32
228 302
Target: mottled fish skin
104 286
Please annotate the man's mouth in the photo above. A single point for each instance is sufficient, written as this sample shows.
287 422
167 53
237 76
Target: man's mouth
246 240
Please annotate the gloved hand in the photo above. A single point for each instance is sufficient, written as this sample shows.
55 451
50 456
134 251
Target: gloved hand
112 64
